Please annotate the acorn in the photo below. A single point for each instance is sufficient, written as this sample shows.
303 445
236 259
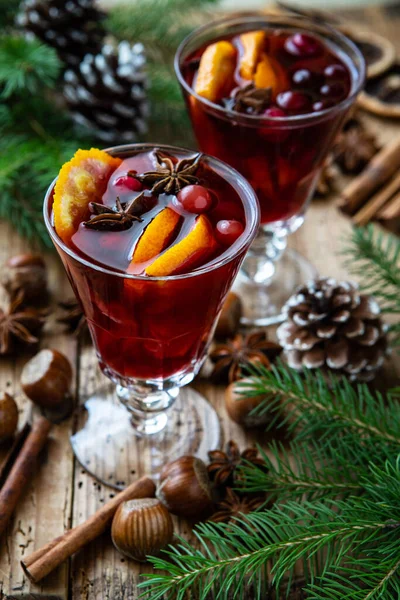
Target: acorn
141 528
185 487
239 406
25 275
8 417
229 319
46 379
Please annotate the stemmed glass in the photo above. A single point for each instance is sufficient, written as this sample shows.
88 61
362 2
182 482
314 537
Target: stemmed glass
281 156
151 335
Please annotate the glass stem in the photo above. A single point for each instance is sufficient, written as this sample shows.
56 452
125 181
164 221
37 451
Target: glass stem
266 250
148 407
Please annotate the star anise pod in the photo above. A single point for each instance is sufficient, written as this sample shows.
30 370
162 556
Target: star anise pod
109 219
354 147
241 351
171 175
249 99
233 506
74 319
19 326
223 467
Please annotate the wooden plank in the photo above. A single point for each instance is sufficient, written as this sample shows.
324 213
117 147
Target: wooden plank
45 509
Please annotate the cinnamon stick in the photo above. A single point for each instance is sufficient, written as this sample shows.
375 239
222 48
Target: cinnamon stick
391 210
13 452
372 207
43 561
22 470
383 166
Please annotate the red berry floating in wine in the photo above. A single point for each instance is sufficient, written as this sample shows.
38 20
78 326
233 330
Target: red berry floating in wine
195 199
335 72
128 182
293 101
228 231
274 112
332 90
303 45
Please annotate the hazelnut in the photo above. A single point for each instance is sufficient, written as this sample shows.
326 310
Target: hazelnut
141 527
25 275
239 406
185 487
229 319
8 417
46 379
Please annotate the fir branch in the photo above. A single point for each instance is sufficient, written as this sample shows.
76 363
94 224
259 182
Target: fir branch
26 66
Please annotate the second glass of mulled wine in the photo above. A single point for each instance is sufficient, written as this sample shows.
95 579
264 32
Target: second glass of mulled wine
268 94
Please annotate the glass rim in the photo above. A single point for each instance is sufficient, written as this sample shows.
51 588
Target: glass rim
251 209
249 17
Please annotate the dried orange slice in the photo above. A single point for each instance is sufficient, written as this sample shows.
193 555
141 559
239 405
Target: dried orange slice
252 44
269 73
156 236
216 69
186 254
81 180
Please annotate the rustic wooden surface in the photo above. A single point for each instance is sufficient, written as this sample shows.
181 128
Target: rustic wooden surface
61 493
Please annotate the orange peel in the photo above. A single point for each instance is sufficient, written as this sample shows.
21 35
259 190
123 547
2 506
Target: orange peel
156 236
186 254
252 44
81 180
269 73
216 70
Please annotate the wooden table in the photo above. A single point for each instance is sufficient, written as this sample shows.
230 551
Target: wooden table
61 494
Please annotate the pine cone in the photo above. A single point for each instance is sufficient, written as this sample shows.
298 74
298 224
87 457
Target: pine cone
72 27
107 94
331 324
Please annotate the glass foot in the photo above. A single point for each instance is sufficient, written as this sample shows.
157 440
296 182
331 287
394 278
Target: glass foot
264 286
110 450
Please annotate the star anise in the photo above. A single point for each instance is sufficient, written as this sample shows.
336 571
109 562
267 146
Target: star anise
74 319
19 326
354 147
233 506
106 218
241 351
249 99
171 175
223 467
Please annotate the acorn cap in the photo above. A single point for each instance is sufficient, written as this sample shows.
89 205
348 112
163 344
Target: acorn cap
381 95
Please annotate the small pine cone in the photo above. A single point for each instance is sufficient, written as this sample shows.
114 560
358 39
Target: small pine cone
72 27
107 93
331 324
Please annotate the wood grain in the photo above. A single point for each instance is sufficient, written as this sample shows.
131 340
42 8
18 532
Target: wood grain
62 494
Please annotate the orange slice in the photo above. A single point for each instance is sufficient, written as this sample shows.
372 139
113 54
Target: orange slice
252 44
186 254
216 69
81 180
156 236
269 73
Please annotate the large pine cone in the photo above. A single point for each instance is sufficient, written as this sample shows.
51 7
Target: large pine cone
72 27
107 93
331 324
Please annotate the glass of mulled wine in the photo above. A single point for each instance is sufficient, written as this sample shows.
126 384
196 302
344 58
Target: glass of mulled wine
151 283
268 94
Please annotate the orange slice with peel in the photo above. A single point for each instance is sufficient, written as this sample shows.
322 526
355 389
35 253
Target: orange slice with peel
252 44
186 254
269 73
216 70
156 236
81 180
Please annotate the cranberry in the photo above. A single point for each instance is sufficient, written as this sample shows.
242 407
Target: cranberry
335 72
293 101
332 90
321 105
303 44
274 112
195 199
129 182
302 78
228 231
